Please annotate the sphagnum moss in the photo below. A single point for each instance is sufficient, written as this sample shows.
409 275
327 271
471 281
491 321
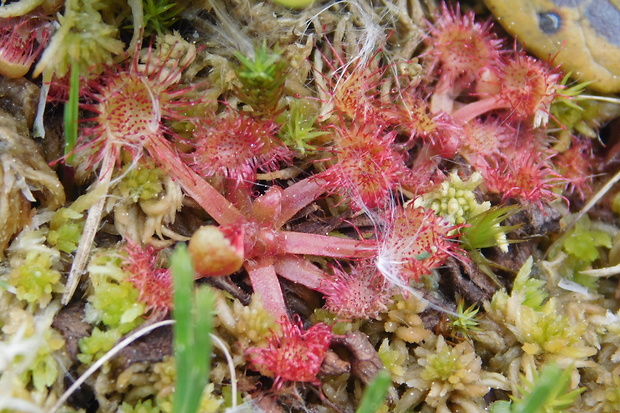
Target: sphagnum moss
347 153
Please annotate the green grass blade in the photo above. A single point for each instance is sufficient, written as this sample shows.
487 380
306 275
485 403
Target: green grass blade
375 393
192 342
71 112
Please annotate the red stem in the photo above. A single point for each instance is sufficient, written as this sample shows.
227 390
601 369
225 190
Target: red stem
477 108
300 270
266 284
214 203
298 196
325 246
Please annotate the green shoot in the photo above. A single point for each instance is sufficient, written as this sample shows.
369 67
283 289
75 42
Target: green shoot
192 341
262 79
298 127
484 230
568 95
465 320
375 393
71 112
159 15
546 394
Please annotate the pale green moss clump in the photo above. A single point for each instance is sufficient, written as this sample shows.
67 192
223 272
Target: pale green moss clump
113 307
66 229
455 200
35 268
163 378
540 324
252 325
445 375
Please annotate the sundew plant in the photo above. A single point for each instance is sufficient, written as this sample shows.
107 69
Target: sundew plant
395 206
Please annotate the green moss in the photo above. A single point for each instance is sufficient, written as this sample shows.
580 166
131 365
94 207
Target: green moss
538 322
66 229
394 356
95 346
530 290
545 393
114 301
577 114
145 406
583 245
321 315
465 320
44 370
140 183
35 279
159 15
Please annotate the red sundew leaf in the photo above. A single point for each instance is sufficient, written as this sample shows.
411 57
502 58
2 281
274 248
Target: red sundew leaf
462 46
153 283
416 242
576 166
528 87
294 355
236 146
525 174
18 37
368 168
361 293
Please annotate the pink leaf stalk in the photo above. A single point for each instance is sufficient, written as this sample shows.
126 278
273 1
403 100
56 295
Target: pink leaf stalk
527 87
